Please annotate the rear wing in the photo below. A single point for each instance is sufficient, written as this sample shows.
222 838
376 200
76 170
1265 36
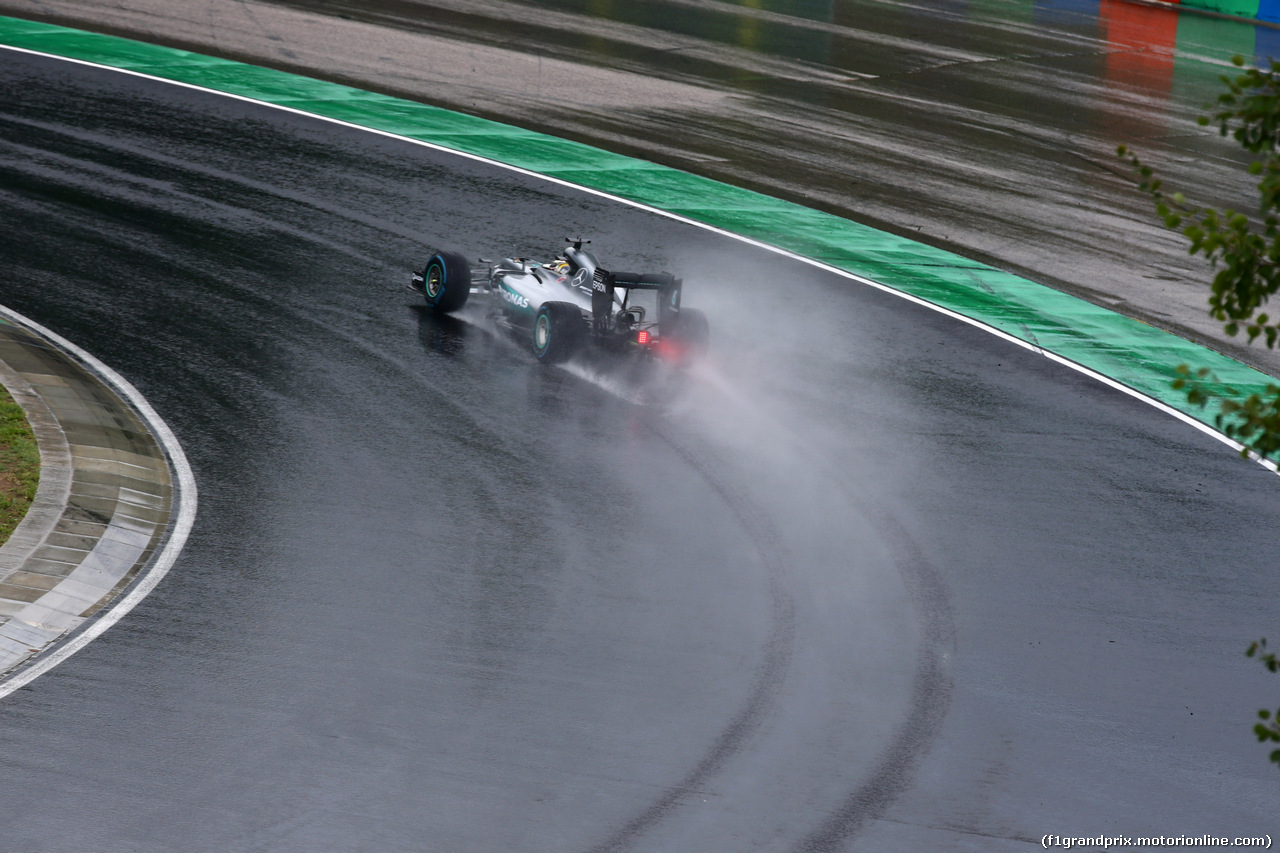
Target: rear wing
605 284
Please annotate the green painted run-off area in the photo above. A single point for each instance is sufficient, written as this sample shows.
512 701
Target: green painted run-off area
1135 354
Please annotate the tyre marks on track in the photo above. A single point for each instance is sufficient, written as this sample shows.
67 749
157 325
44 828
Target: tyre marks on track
770 673
930 692
931 685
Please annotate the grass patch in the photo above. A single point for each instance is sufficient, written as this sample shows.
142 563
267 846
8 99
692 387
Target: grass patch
19 465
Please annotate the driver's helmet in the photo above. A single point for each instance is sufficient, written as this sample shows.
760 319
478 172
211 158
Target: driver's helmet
559 266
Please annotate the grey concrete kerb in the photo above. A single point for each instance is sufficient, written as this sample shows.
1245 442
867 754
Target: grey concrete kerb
55 474
114 506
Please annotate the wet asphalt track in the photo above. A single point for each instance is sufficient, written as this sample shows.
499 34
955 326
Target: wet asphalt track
870 579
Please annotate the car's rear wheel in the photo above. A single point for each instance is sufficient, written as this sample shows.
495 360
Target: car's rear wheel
446 281
558 329
692 335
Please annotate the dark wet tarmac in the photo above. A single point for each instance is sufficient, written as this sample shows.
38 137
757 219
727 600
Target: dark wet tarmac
869 579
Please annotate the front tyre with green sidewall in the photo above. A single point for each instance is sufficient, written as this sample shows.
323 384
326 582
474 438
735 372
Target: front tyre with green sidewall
557 331
446 281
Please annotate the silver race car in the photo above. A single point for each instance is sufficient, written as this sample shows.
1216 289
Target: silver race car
571 302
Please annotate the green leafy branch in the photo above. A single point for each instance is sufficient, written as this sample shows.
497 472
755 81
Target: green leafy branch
1243 250
1269 729
1254 421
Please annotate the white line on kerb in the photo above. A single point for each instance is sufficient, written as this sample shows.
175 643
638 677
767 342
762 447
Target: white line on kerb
1074 365
184 496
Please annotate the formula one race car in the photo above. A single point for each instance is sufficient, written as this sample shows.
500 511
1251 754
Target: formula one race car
571 301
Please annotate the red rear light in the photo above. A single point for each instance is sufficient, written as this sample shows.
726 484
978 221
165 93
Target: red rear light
642 338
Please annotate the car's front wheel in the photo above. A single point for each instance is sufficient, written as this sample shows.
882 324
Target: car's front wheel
446 281
558 329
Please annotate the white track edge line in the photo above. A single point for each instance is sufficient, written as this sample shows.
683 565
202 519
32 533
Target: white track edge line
1074 365
185 496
